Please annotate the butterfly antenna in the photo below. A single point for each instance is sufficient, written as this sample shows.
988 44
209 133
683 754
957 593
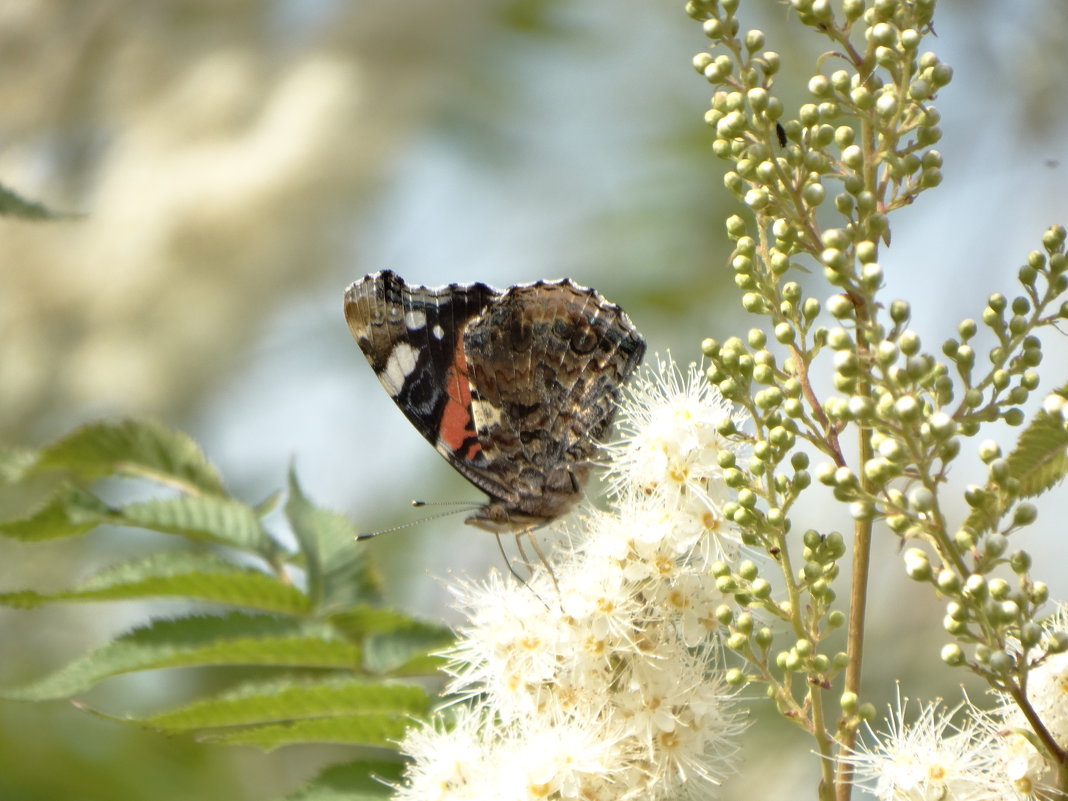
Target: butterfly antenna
468 504
410 523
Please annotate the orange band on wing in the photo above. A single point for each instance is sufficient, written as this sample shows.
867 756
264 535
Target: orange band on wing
457 427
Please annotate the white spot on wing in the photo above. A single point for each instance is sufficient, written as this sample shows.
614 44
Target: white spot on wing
437 331
399 366
415 320
484 414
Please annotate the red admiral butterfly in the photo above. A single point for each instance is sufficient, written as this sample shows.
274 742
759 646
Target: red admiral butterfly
514 388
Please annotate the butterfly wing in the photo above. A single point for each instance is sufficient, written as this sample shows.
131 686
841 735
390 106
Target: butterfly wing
412 337
547 363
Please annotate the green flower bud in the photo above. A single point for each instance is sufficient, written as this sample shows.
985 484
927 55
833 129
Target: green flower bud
941 75
907 408
819 86
714 30
1058 642
853 157
754 40
917 566
862 98
1001 662
861 408
893 450
949 583
909 341
1030 635
975 586
838 339
737 642
921 499
954 627
813 194
756 199
886 105
1020 562
1025 514
734 677
942 425
952 655
999 589
999 471
784 333
995 545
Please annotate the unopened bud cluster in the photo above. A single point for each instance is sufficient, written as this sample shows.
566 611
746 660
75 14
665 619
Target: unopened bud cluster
996 387
863 139
775 473
860 148
992 614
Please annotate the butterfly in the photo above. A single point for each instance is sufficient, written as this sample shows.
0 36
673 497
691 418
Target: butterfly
513 387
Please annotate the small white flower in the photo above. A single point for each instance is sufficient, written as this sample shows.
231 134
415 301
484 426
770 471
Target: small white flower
562 759
1047 689
927 759
602 682
511 643
669 442
445 759
1022 769
686 720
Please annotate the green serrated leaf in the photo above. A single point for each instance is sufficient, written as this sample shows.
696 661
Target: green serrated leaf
69 512
192 576
234 639
338 573
366 619
352 781
141 448
200 517
13 204
14 463
1040 459
268 504
371 729
409 650
1037 463
985 517
257 703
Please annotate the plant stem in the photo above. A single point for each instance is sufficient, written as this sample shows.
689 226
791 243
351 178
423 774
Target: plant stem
858 592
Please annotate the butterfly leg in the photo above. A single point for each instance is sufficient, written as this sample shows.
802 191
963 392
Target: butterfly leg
529 533
511 569
507 560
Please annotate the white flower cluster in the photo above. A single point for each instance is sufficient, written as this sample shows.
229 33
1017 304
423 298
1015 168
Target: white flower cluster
986 758
602 681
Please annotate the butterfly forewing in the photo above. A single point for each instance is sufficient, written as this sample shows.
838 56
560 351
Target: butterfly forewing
412 340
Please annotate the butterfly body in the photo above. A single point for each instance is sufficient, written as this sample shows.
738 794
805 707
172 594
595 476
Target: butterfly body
513 387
